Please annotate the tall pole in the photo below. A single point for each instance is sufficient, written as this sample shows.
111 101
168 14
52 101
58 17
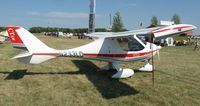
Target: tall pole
110 27
92 16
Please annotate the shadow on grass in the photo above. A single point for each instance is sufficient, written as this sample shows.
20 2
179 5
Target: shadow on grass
15 75
109 88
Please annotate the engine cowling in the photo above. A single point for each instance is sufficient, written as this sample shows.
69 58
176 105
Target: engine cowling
125 73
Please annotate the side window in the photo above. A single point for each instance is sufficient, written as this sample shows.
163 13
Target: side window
134 45
130 44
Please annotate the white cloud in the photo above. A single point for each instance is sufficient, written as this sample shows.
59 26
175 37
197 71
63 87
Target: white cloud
55 14
58 14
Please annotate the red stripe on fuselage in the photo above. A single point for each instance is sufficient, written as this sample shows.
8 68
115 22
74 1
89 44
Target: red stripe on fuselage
102 55
119 55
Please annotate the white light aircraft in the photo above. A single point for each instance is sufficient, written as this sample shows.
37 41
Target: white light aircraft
108 46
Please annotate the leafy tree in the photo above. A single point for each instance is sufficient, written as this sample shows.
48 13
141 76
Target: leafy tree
2 29
154 21
117 23
33 30
65 30
176 18
100 30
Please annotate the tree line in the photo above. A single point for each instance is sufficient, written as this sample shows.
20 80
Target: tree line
65 30
2 29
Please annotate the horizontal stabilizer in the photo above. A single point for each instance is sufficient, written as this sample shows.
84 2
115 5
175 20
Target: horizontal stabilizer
21 55
27 57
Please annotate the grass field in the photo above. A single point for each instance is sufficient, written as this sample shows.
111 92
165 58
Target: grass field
72 81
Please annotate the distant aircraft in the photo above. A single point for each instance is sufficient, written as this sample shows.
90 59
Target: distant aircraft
108 46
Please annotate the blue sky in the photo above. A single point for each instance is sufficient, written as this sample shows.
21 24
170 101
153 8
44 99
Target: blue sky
74 13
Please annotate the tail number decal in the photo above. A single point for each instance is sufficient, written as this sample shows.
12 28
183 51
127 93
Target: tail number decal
11 33
14 37
72 54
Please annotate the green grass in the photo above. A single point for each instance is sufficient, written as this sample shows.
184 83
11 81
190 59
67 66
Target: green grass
72 81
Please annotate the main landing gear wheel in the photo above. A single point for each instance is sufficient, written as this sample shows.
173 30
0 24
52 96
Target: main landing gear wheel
121 73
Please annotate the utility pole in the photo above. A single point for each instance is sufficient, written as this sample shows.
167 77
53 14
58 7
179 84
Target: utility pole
92 16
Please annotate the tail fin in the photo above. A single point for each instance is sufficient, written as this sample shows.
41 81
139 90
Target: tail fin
36 51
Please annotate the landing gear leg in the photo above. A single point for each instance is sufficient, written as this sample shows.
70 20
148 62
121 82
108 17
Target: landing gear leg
109 66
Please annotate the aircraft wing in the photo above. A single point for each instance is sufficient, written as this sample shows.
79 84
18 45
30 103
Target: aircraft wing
122 34
159 32
172 30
